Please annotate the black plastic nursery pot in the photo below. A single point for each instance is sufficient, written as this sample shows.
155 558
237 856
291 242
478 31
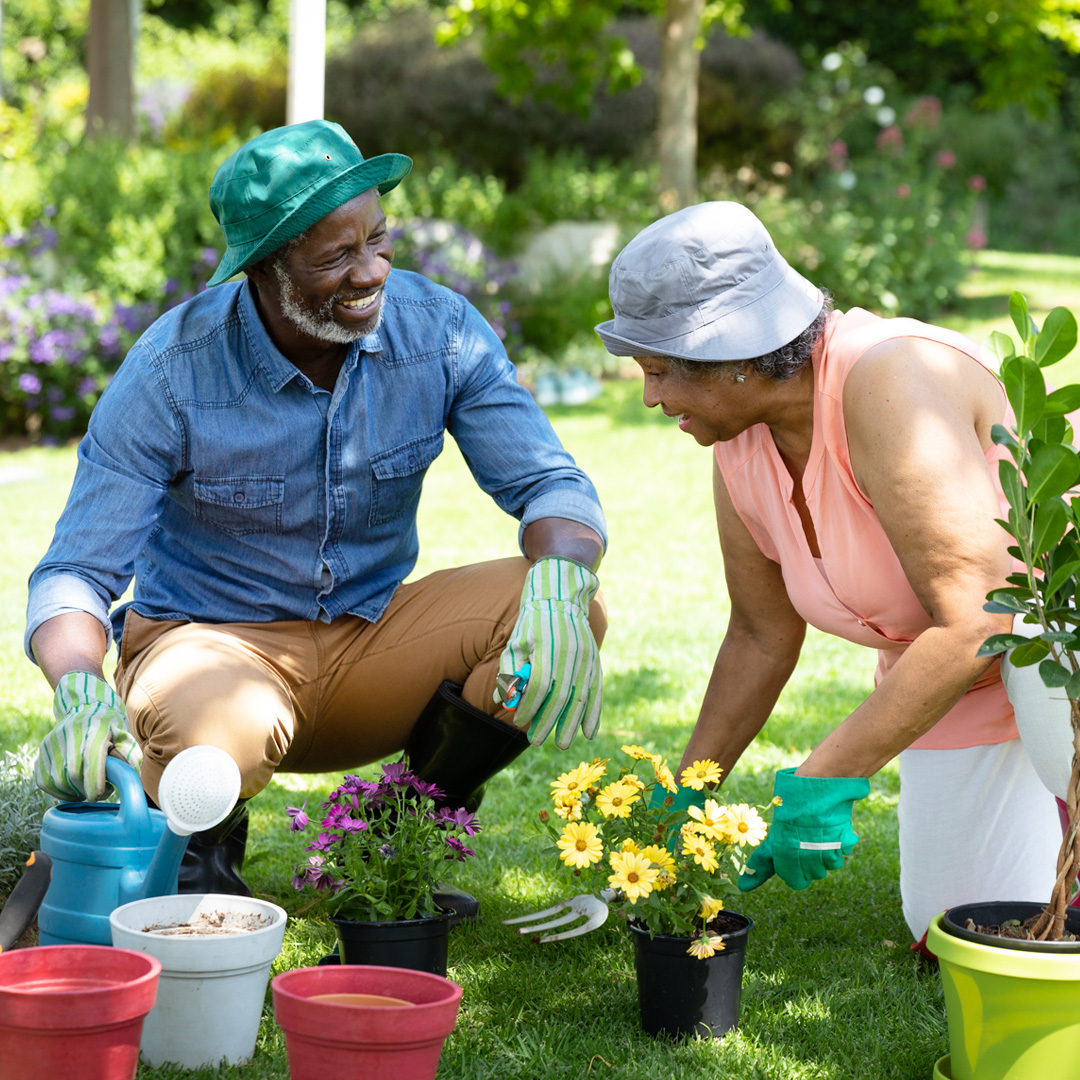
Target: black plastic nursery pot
1001 911
681 996
417 944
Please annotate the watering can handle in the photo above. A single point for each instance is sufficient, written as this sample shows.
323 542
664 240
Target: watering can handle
134 811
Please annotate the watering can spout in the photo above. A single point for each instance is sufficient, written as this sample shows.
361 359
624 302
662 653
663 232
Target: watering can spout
160 876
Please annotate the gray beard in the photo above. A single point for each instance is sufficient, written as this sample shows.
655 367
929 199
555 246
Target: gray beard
320 325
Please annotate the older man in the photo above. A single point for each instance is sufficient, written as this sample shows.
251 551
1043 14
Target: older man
256 465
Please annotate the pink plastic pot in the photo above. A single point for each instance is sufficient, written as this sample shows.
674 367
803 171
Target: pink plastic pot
377 1042
70 1011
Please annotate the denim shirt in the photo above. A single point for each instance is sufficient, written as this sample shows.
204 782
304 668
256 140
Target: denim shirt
235 490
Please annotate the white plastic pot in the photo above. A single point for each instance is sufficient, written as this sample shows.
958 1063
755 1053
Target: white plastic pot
212 988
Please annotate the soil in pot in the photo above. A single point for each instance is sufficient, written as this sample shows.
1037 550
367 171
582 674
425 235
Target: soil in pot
1007 924
211 924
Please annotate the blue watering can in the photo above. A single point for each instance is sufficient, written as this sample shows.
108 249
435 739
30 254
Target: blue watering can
108 854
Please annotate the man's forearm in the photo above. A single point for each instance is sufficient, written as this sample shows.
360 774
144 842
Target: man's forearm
563 538
74 641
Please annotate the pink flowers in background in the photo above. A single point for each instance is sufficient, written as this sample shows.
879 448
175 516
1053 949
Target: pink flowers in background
975 238
946 159
925 112
903 191
837 155
890 139
976 182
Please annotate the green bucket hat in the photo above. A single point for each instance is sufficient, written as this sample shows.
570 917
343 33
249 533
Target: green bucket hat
284 180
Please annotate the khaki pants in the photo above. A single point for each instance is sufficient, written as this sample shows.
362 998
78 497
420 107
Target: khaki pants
319 697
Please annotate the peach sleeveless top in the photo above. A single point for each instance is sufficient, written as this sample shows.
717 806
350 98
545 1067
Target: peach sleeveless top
858 590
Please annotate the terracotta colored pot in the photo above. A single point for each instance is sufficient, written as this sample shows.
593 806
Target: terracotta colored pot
73 1011
378 1042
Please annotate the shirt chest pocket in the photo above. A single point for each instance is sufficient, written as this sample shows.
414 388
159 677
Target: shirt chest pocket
397 476
240 505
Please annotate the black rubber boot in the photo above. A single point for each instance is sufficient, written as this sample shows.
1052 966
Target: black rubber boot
460 748
214 858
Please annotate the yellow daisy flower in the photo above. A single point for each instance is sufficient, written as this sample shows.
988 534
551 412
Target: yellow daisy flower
664 775
638 753
592 772
664 881
630 844
703 851
710 819
710 907
570 783
745 825
568 807
580 845
706 945
699 774
633 876
615 800
633 780
660 857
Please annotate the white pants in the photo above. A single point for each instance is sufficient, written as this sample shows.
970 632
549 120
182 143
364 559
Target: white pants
975 824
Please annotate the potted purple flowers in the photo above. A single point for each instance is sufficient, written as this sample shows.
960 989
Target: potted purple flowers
383 848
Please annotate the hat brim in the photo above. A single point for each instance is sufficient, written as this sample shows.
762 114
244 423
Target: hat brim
758 328
384 172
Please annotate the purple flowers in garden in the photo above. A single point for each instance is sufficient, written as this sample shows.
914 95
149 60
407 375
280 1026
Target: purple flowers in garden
383 845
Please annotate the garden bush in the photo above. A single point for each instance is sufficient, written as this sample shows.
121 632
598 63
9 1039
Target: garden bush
22 805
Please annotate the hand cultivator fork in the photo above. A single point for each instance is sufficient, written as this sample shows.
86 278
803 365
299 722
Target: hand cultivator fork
594 908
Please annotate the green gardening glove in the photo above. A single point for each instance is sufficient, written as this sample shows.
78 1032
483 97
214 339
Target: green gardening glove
552 634
811 830
681 801
91 724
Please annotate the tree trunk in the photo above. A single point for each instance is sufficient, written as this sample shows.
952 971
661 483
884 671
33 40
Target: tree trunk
680 66
110 63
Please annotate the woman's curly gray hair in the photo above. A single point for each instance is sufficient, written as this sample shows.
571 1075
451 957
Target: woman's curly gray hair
782 364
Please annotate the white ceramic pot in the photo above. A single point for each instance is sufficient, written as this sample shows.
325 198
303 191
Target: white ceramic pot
212 986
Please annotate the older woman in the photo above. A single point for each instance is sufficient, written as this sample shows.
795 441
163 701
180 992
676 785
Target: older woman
856 489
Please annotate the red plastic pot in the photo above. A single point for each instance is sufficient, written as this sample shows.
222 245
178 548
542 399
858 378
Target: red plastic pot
74 1011
377 1042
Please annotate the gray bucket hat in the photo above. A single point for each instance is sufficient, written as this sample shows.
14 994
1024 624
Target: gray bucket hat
706 283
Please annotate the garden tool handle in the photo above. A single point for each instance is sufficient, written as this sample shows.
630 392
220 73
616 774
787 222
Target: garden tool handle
511 687
25 899
134 812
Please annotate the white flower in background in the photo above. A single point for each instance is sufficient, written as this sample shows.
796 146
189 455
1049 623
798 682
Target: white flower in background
824 103
832 61
847 180
873 95
885 115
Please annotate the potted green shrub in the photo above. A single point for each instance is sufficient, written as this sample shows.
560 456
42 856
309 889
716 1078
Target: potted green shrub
669 856
383 849
1012 975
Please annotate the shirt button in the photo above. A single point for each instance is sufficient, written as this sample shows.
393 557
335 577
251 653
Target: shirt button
238 497
862 622
412 461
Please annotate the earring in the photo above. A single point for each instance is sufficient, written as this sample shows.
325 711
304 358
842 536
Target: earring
740 376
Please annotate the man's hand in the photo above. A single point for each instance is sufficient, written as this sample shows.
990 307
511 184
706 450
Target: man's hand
552 634
91 724
811 830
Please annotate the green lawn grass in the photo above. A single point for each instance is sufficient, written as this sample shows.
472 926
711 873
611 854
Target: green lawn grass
831 991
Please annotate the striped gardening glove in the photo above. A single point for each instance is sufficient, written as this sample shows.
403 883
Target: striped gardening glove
91 724
552 635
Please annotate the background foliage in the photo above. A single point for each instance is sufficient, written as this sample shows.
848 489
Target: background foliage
877 171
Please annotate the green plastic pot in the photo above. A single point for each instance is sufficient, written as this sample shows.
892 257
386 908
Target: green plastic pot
1013 1014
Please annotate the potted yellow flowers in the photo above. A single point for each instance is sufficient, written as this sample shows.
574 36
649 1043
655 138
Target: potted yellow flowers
672 854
